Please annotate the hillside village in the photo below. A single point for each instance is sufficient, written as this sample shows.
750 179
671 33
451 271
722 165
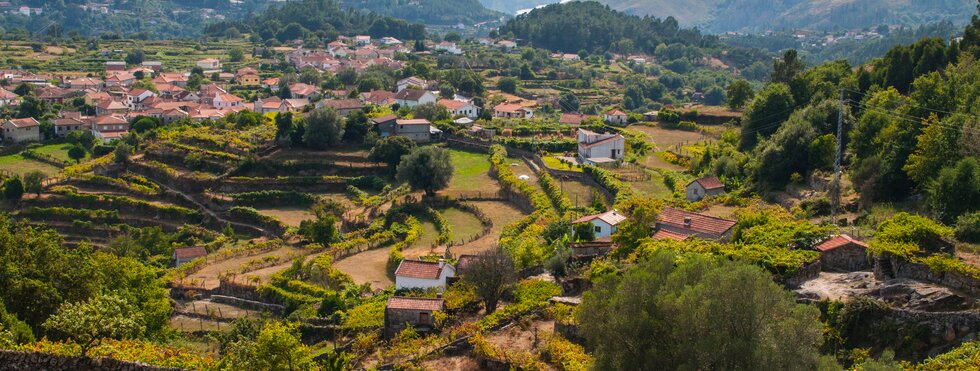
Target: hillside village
378 202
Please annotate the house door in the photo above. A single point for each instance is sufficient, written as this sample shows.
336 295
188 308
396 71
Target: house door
424 319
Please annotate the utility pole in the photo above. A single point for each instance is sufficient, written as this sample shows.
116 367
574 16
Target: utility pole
838 157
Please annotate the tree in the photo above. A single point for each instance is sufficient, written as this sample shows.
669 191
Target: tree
766 113
584 232
284 125
714 96
491 274
277 347
323 230
431 111
76 152
323 128
426 168
32 182
452 37
135 56
785 69
569 102
695 312
957 190
643 216
121 153
739 93
100 317
507 85
356 127
236 54
390 150
13 189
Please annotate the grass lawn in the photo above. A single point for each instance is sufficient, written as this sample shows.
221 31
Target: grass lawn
556 164
290 216
465 225
472 172
58 151
19 165
654 187
579 193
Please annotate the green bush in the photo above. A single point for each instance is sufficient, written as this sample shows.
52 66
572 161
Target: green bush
968 227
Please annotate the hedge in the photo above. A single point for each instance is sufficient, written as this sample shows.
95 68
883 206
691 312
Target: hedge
273 198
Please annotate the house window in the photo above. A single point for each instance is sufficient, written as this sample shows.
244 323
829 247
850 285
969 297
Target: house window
598 229
424 318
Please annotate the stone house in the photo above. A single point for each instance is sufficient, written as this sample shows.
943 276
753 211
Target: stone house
417 312
704 187
418 130
344 107
843 253
422 274
21 130
185 255
677 224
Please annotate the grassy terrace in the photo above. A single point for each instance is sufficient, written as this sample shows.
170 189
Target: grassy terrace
20 165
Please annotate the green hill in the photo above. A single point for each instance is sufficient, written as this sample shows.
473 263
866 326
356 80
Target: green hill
760 15
432 12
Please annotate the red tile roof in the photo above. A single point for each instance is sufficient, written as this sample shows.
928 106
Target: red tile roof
384 119
410 94
664 234
24 123
508 107
451 104
413 122
709 182
615 112
343 104
400 302
190 252
699 222
840 240
419 269
572 118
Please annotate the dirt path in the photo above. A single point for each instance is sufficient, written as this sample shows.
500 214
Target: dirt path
367 267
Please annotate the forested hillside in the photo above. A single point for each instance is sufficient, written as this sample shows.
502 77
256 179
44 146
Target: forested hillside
593 27
719 16
319 20
434 12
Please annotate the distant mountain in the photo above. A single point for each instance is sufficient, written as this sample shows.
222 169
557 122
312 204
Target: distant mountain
719 16
431 12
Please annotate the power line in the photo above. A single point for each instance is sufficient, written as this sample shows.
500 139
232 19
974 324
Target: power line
914 119
922 107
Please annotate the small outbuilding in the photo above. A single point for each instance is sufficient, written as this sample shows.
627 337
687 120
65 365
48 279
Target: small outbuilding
401 312
184 255
418 274
603 224
704 187
843 253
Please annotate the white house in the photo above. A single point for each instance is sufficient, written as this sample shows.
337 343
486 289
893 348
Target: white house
603 224
410 82
108 128
507 45
512 110
614 116
422 274
7 97
458 108
184 255
135 98
595 148
414 97
701 188
449 47
209 65
225 100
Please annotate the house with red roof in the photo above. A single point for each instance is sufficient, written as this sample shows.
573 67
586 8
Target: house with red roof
677 224
512 110
184 255
615 116
843 253
423 274
600 148
21 130
343 107
458 108
704 187
401 312
414 97
7 97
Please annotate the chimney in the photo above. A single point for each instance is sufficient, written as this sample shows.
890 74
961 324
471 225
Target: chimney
687 222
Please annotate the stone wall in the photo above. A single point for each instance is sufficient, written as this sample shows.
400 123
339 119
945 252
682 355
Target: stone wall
801 275
888 267
25 361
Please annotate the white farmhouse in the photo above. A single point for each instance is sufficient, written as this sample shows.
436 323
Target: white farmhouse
457 108
422 274
449 47
603 224
414 97
595 148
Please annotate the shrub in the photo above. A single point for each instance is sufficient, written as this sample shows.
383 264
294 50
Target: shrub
968 227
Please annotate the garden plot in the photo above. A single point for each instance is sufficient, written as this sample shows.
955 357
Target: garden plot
291 216
207 277
465 225
502 214
654 187
21 165
472 173
214 310
425 244
666 139
523 339
579 193
367 267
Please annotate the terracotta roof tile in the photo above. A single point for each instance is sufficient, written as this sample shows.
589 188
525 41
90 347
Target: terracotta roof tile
190 252
710 182
419 269
400 302
664 234
840 240
700 223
